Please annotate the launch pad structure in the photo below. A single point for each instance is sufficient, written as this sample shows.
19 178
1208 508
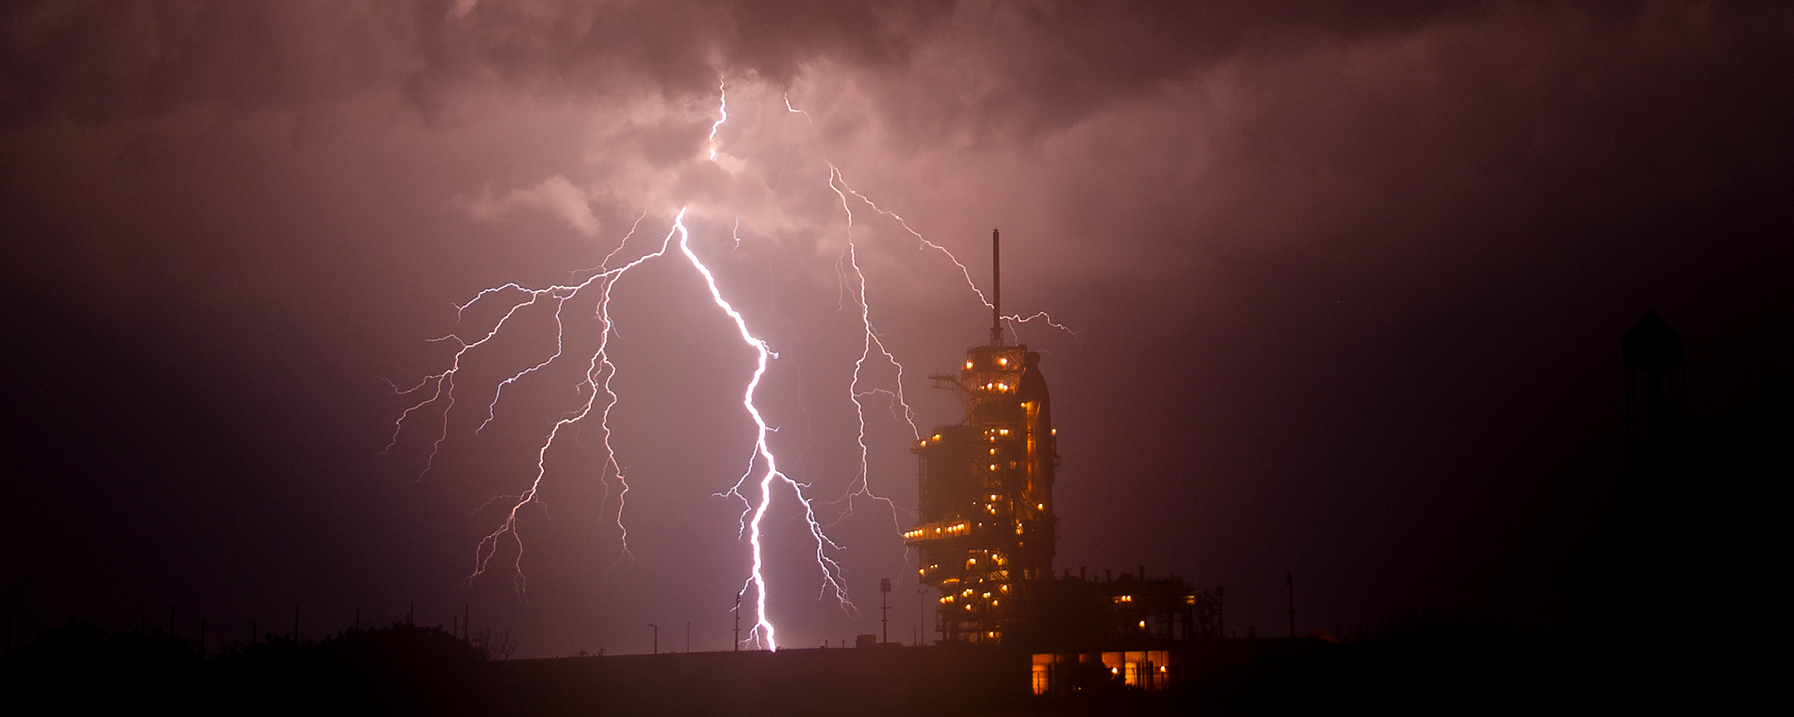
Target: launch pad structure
987 532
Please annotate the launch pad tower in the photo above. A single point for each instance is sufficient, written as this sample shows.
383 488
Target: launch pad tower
986 522
986 532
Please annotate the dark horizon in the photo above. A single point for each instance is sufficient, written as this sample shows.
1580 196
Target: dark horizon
1348 291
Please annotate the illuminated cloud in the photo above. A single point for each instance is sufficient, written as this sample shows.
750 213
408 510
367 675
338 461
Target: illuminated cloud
555 195
1305 239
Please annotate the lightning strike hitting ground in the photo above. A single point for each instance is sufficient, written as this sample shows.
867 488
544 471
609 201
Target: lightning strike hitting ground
762 466
762 455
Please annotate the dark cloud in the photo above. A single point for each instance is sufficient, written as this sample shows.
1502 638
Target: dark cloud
99 60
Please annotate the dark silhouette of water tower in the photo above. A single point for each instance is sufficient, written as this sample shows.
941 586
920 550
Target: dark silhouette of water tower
1662 500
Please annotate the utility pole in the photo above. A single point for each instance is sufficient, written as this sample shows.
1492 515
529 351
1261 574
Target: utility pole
921 615
656 637
1221 609
1290 578
738 622
688 636
884 608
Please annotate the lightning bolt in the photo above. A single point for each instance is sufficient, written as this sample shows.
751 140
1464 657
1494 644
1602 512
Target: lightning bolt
597 396
444 383
722 114
763 459
599 371
843 189
869 342
853 281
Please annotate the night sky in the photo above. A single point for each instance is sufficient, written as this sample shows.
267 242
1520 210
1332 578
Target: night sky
1347 284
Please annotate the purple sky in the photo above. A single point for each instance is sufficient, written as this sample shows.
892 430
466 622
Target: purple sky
1348 287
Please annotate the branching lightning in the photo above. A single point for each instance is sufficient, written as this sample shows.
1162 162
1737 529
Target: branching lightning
598 397
869 342
853 281
764 459
597 377
443 384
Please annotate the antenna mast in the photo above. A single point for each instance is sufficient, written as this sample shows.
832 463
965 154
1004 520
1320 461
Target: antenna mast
996 290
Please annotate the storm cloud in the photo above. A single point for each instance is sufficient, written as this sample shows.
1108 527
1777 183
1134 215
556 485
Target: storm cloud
1347 285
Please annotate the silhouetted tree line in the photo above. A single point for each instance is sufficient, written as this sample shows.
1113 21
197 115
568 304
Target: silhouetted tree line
1406 661
400 669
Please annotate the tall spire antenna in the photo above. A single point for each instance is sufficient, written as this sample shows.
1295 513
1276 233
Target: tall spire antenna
996 290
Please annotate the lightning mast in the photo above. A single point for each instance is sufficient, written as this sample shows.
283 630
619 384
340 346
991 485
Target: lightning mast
996 289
